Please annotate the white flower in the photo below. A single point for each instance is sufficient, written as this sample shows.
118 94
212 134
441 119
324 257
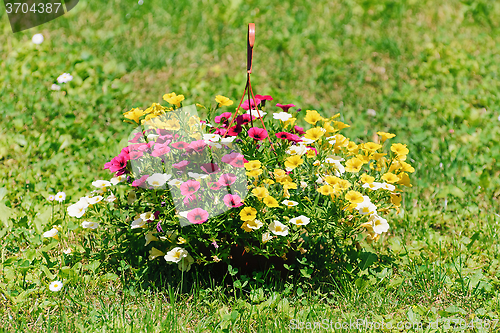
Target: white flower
297 150
227 140
283 116
90 225
175 182
78 209
371 112
498 118
51 197
278 228
68 251
372 186
148 216
152 137
338 168
303 184
51 233
150 238
211 138
117 179
110 198
256 114
94 200
379 224
255 224
307 141
366 207
196 175
266 237
289 203
158 179
63 78
300 220
37 39
60 197
139 223
55 87
176 254
320 180
55 286
388 187
101 184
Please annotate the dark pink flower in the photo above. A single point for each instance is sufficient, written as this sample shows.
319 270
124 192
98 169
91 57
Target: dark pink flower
285 107
210 167
138 137
215 186
197 216
164 139
257 133
283 135
179 145
244 119
181 165
246 106
299 130
264 97
160 149
190 187
197 146
118 164
227 179
232 200
234 130
140 181
235 159
220 131
223 118
134 155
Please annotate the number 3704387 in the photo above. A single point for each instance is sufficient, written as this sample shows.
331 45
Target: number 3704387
36 8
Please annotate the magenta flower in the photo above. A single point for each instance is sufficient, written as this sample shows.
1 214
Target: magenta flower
232 200
197 146
283 135
134 155
179 145
214 243
181 165
190 187
246 106
164 139
118 164
257 133
264 97
234 130
285 107
299 130
140 181
235 159
220 131
197 216
138 137
227 179
160 149
244 119
210 167
223 118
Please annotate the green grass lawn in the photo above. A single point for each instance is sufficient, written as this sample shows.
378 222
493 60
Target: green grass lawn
429 69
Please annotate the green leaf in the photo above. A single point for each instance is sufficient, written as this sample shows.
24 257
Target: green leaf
47 272
5 214
367 259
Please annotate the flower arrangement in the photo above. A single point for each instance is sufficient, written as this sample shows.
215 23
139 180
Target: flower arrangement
193 189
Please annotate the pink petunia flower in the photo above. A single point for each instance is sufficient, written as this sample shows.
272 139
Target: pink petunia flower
179 145
244 119
257 133
210 167
246 106
299 130
285 107
227 179
138 138
264 97
235 159
223 118
215 186
134 155
140 181
197 146
234 130
197 216
118 164
190 187
232 200
160 149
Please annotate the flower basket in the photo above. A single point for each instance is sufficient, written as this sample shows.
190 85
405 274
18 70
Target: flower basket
249 187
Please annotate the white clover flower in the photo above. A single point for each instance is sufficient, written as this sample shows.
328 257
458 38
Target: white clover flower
60 197
65 77
289 203
278 228
101 184
55 87
379 224
138 223
175 182
158 179
283 116
176 254
37 39
55 286
90 225
51 233
147 216
150 238
300 220
266 237
117 179
78 209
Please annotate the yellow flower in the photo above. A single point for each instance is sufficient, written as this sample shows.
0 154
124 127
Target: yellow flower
353 165
194 120
283 180
384 136
223 101
290 186
343 184
268 181
352 148
399 149
254 173
290 122
371 146
396 199
248 213
245 227
310 153
390 177
404 179
279 173
252 165
328 128
172 125
367 178
260 192
406 167
293 161
314 133
271 202
365 159
354 197
340 125
134 114
312 117
200 106
332 180
326 190
172 98
181 240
